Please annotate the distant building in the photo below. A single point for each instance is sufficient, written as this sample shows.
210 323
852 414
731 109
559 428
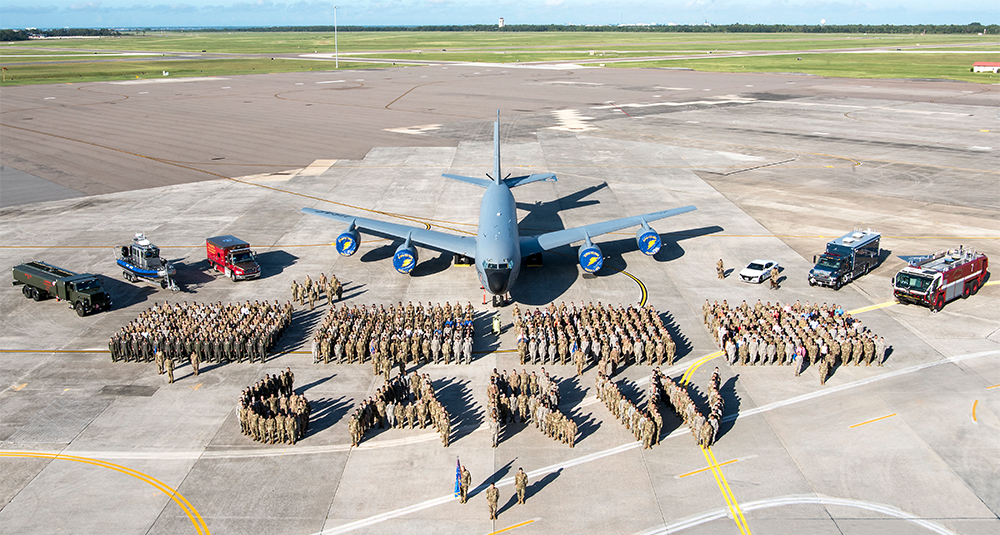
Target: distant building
986 66
501 22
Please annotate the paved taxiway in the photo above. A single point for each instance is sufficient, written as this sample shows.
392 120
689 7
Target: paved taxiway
776 165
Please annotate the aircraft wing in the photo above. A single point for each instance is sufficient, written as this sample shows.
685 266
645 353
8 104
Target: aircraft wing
558 238
432 239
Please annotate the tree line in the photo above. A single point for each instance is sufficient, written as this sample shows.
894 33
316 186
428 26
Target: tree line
24 35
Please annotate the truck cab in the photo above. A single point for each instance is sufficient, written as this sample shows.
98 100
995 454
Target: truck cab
233 257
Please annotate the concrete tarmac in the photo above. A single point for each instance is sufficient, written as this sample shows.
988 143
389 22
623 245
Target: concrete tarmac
776 165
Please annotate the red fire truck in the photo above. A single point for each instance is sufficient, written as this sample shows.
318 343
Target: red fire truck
936 279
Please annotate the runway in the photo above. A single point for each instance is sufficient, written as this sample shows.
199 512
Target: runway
776 165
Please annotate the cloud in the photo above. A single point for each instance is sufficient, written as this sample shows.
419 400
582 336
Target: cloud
29 10
88 6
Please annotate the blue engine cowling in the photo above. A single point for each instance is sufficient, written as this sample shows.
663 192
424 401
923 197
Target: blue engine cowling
347 243
648 241
591 258
404 259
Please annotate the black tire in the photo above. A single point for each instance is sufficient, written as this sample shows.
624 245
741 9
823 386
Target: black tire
975 286
26 291
232 276
939 303
80 311
128 276
967 291
163 284
38 295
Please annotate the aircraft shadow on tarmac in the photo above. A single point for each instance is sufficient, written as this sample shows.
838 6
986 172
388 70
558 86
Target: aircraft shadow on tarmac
456 396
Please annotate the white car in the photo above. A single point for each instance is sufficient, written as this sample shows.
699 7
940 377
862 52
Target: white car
758 271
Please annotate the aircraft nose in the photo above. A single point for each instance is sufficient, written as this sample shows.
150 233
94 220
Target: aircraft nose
497 280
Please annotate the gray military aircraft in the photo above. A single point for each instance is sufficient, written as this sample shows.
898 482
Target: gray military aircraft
497 246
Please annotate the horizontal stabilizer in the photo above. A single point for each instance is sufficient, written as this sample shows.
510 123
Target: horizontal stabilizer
522 180
481 182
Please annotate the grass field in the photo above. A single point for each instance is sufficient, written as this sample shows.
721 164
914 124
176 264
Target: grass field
494 47
863 65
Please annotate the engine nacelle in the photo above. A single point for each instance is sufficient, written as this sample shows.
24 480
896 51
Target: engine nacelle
405 258
591 258
347 243
648 241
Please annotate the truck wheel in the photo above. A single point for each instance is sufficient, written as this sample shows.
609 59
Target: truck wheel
939 303
232 276
27 290
80 310
967 290
163 283
127 275
975 286
38 295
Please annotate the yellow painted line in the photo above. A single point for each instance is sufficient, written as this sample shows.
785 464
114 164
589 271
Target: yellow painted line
989 387
197 386
696 364
512 527
991 283
181 501
704 469
974 410
19 387
872 307
720 480
984 130
870 421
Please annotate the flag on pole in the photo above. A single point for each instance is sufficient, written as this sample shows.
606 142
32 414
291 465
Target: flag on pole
458 475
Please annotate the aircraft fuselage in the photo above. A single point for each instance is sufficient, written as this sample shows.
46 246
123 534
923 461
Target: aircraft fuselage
498 249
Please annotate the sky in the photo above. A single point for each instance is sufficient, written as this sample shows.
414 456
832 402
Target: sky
138 13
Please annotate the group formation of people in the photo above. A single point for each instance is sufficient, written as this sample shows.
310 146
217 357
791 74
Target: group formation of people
202 332
705 430
644 424
527 398
402 402
310 292
592 333
271 412
395 336
792 334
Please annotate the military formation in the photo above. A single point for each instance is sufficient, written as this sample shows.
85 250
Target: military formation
644 424
608 336
395 336
402 402
211 332
527 398
311 292
271 412
792 335
664 389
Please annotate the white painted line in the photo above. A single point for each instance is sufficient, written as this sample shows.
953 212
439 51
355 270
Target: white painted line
706 89
981 148
50 98
414 130
572 121
693 122
227 87
332 82
656 96
799 499
675 88
169 80
722 99
751 85
359 80
299 83
571 83
820 133
143 92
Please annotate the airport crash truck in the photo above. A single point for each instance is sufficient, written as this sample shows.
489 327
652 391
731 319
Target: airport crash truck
846 258
232 256
939 278
82 291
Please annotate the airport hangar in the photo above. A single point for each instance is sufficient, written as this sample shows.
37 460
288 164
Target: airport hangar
775 163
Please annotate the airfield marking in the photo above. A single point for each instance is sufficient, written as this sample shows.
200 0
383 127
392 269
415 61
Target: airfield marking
870 421
696 364
707 468
801 499
727 493
991 283
987 388
525 523
974 403
181 501
872 307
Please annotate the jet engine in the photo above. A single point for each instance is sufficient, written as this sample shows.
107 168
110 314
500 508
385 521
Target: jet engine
648 240
405 258
348 241
591 258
